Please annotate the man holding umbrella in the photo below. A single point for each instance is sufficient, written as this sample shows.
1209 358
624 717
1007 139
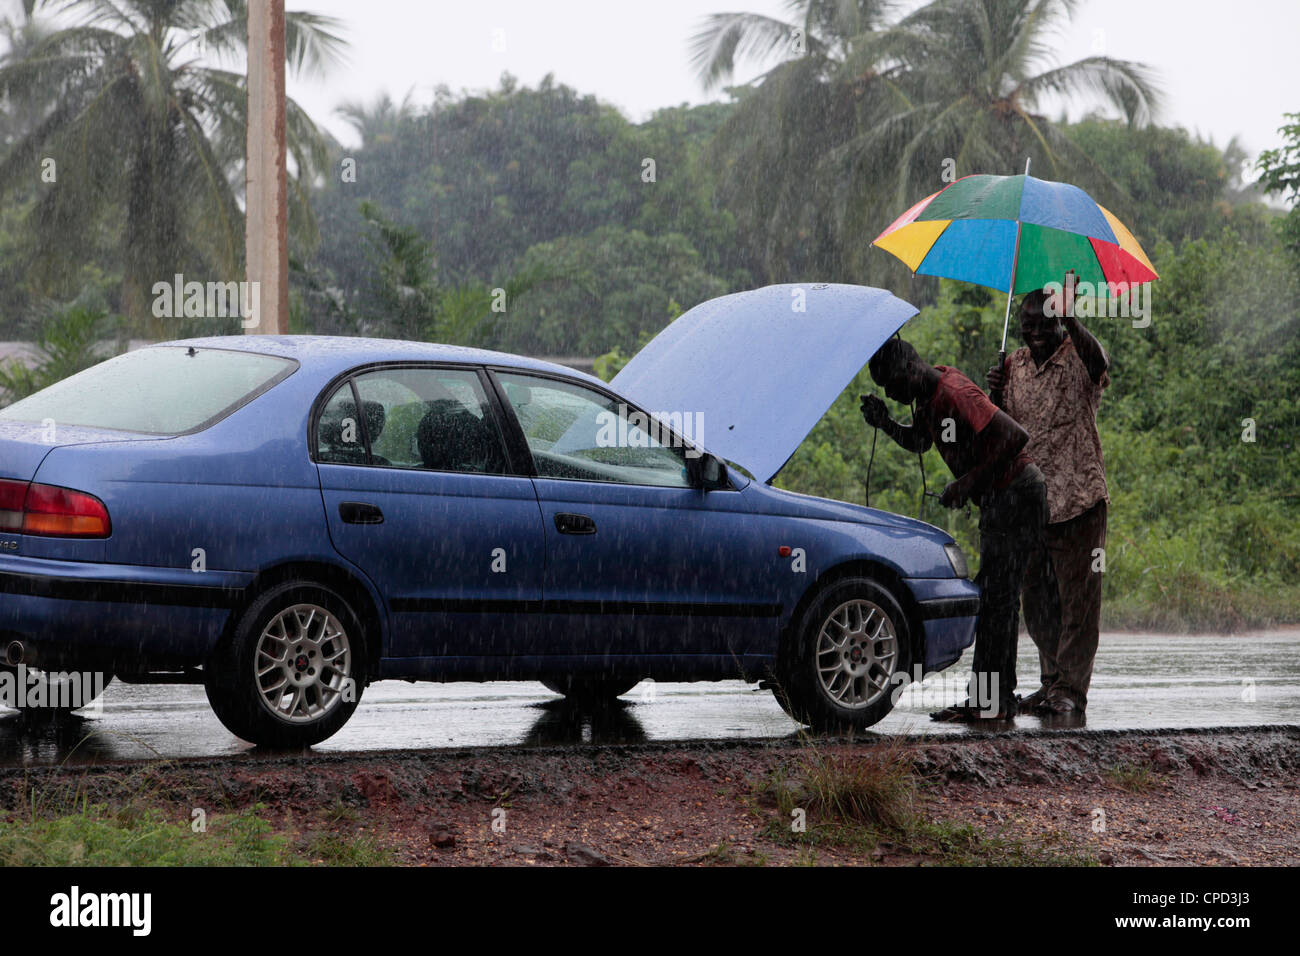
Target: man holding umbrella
1052 387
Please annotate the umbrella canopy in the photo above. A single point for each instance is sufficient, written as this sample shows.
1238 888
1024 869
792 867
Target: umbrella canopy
761 368
996 230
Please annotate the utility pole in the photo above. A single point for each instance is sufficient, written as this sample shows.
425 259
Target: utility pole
266 218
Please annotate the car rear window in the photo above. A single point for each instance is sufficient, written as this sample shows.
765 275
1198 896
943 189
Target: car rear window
161 390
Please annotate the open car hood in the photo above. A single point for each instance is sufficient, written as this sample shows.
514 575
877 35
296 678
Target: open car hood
755 371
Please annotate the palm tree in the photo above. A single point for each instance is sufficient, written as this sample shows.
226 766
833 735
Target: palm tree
880 114
18 37
147 136
379 120
415 302
976 74
787 118
824 31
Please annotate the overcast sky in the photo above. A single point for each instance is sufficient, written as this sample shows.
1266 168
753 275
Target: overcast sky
1229 68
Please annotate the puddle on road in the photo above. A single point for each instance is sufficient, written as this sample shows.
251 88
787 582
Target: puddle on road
1141 681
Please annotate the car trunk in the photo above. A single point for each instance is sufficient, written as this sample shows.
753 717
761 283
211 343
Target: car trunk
24 445
24 450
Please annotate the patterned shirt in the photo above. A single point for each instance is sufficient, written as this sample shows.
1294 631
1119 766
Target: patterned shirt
1057 405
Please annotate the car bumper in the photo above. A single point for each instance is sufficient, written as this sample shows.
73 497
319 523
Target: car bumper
949 611
115 610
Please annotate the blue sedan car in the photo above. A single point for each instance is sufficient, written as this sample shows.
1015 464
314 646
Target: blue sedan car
285 519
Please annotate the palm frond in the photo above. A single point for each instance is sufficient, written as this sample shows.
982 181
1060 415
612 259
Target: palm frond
1129 86
222 220
313 43
101 12
726 38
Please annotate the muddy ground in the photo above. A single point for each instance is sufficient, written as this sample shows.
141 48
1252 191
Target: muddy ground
1217 796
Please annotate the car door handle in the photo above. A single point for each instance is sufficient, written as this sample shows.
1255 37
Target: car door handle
566 523
356 512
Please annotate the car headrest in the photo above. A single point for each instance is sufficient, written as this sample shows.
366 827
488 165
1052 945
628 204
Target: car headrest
451 438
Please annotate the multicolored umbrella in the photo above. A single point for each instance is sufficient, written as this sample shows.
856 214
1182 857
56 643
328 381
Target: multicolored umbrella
1016 233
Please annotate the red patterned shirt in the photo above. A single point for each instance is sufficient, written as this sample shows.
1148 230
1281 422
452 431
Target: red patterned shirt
957 412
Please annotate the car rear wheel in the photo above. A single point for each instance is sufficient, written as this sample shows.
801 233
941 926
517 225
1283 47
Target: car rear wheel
292 671
591 690
849 653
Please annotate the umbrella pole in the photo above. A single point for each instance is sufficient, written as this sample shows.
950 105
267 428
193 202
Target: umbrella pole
996 395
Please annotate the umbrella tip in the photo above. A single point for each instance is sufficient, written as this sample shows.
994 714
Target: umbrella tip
1026 165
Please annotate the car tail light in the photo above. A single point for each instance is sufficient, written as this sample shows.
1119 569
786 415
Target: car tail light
12 496
51 512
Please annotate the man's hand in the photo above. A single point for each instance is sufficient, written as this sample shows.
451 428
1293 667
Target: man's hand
1067 294
874 411
1090 351
996 378
955 495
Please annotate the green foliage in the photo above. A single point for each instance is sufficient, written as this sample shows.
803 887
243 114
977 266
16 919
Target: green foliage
347 849
541 184
863 797
629 284
610 364
877 113
1280 168
70 341
98 835
1168 186
1280 174
1135 778
125 144
135 833
486 176
408 300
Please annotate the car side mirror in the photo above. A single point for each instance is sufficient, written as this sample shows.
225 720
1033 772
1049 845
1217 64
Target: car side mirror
706 472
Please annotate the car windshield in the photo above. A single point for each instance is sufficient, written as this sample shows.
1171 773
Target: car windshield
163 390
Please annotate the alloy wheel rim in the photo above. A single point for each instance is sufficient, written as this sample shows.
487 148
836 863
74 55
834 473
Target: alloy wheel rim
303 663
857 653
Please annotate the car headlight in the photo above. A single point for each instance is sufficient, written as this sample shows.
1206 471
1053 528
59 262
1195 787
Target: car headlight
957 558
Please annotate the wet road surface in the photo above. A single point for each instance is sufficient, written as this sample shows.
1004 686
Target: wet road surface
1141 682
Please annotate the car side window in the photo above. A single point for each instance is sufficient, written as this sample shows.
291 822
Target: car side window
422 418
578 433
339 439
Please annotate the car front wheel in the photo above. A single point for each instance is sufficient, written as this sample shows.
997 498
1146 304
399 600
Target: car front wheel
292 672
847 657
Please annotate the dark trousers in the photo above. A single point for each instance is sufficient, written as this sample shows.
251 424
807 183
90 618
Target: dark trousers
1063 603
1011 532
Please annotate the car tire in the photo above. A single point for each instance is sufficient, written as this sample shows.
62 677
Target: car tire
53 691
292 671
845 657
591 690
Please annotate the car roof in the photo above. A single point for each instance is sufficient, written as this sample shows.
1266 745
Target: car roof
332 354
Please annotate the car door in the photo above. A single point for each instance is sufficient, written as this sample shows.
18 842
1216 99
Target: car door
638 562
421 494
